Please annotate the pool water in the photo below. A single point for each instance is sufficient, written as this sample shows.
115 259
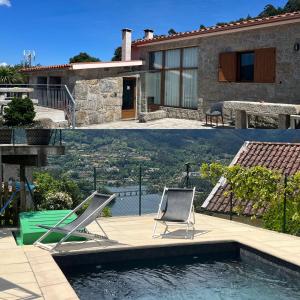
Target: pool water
184 278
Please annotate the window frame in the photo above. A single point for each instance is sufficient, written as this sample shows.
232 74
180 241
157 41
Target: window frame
181 70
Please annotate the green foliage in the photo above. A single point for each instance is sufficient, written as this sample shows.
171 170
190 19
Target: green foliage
117 54
46 185
292 5
10 75
270 10
19 112
56 201
172 31
106 213
83 57
264 188
212 172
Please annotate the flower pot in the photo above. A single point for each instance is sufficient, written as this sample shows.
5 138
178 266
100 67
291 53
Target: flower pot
38 136
5 136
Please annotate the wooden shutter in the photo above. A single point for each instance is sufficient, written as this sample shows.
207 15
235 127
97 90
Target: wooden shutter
228 67
265 65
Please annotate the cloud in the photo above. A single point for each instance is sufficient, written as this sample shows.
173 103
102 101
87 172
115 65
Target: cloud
4 64
5 2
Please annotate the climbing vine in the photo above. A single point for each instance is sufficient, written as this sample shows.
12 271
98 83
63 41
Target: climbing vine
265 188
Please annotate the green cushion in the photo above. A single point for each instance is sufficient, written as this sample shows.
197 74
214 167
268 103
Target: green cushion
29 232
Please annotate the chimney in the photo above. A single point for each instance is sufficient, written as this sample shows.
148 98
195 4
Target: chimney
126 44
149 34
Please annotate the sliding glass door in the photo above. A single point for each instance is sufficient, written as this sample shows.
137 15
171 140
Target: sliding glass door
173 80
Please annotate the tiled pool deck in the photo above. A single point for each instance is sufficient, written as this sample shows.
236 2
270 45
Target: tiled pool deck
31 273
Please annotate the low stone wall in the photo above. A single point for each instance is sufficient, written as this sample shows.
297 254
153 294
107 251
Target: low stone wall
98 100
156 115
182 113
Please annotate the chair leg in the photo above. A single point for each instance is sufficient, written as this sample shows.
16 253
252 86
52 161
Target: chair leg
217 121
206 119
223 120
154 230
101 229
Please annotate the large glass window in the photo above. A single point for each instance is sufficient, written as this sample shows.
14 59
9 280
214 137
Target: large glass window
156 60
190 58
246 66
172 84
189 87
172 59
176 84
153 86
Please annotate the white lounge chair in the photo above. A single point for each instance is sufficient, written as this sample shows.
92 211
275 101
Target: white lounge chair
96 203
176 209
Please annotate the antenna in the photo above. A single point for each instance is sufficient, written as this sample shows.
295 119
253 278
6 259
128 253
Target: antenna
29 57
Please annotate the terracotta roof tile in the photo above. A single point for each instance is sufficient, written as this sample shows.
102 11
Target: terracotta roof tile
284 157
43 68
225 27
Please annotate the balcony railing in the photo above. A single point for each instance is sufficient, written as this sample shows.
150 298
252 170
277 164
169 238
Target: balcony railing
52 96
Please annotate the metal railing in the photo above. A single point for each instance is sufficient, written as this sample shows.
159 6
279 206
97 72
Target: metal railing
45 95
142 193
18 136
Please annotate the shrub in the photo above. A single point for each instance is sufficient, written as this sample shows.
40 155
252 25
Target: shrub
19 112
106 213
46 184
56 201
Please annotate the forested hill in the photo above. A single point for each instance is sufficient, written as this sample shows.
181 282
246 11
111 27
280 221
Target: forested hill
164 149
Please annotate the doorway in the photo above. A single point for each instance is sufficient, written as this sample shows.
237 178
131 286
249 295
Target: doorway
129 98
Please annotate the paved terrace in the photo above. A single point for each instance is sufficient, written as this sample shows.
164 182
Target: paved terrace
31 273
167 123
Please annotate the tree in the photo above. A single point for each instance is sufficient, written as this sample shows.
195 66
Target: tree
270 10
83 57
117 54
292 5
202 26
172 31
10 75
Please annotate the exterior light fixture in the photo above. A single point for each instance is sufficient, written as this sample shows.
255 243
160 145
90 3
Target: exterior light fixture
297 47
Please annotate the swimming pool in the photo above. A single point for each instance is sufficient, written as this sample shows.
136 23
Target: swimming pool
186 277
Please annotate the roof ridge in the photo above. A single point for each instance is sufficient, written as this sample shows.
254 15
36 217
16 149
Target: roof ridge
274 143
242 23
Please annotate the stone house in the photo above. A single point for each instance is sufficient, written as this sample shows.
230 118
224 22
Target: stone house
185 73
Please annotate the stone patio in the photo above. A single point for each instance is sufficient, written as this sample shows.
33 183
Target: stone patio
167 123
57 116
31 273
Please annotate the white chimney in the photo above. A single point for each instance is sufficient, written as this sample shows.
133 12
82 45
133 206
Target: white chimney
126 44
149 34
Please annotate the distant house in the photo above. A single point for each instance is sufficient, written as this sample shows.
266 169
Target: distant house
284 157
185 73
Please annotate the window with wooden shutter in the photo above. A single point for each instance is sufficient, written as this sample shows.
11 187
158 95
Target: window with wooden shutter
265 65
228 67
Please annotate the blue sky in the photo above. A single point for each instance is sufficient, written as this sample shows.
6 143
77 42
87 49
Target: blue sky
59 29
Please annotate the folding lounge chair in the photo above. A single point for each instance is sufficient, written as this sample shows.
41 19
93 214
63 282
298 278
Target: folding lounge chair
176 209
77 227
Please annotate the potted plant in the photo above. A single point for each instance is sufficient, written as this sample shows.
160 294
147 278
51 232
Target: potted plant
20 112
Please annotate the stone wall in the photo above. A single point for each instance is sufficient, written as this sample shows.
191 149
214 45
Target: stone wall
98 100
182 113
284 90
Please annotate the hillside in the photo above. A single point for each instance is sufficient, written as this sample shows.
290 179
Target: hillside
117 155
